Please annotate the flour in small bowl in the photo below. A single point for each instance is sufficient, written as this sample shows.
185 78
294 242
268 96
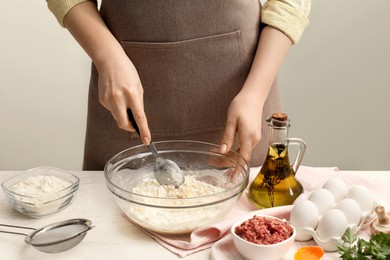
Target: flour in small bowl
40 189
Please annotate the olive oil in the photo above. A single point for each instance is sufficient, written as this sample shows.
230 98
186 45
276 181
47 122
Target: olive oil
275 184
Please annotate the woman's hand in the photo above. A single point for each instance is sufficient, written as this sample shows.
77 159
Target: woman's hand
244 118
120 87
245 111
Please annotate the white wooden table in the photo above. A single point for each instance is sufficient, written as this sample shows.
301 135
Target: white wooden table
113 236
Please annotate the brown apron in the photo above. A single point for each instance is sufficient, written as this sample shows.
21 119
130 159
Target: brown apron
192 58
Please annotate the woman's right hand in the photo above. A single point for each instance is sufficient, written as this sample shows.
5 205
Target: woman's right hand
120 87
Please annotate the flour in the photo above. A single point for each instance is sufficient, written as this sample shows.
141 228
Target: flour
180 219
189 189
40 189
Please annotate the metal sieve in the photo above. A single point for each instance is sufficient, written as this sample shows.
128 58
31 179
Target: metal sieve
56 237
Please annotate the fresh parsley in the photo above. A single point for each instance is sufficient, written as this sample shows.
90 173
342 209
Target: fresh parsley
354 248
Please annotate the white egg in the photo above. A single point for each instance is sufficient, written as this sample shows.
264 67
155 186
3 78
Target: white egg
332 225
304 214
337 187
351 209
323 199
362 196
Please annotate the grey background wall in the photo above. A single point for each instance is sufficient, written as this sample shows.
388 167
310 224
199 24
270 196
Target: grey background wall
335 87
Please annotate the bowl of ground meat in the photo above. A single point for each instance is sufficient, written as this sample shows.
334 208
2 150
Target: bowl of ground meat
266 237
213 184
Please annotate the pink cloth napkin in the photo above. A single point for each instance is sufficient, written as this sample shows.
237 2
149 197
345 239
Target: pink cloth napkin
217 235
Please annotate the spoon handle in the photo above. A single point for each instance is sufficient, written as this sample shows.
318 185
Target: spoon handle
132 120
153 149
151 146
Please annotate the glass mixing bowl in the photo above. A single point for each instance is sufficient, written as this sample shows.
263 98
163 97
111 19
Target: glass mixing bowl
129 177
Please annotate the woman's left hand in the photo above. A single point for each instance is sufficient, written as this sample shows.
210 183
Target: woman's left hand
245 111
244 118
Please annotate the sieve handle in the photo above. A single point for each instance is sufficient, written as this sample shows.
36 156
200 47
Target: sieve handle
16 233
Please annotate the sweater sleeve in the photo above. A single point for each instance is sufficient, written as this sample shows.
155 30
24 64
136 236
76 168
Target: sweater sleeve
288 16
61 7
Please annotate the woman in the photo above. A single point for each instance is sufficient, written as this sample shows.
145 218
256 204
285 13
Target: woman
196 70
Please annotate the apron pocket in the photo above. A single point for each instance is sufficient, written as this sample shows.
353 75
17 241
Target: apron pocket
188 85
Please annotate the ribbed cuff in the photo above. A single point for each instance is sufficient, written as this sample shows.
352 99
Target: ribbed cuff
61 8
285 18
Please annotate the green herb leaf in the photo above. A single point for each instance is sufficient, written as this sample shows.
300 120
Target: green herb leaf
354 248
349 236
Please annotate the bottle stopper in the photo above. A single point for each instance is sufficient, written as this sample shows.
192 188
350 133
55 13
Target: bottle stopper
279 119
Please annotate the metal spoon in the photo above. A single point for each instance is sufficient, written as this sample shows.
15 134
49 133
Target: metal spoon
166 171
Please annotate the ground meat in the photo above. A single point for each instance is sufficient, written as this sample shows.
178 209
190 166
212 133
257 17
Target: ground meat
264 231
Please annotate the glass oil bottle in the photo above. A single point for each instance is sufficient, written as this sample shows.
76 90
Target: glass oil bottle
275 184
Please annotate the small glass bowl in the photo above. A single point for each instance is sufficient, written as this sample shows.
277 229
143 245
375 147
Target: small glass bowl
41 205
